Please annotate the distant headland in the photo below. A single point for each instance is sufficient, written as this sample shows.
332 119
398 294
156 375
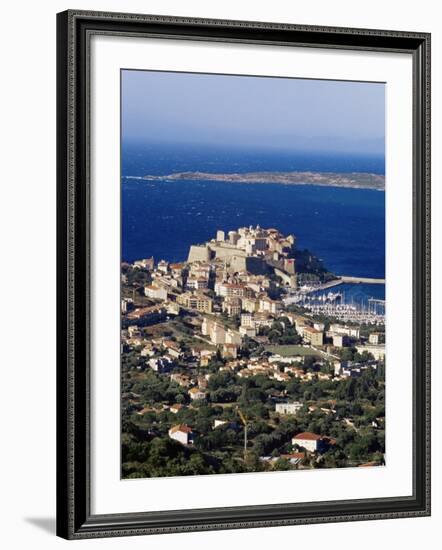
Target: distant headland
356 180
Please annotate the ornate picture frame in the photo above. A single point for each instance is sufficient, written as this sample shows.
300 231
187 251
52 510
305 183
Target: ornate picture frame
74 517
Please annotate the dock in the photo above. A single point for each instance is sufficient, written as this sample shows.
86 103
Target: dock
364 280
342 279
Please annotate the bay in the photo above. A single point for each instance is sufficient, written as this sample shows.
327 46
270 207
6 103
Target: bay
344 227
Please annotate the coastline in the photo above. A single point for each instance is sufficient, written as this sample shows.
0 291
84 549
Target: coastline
352 180
187 211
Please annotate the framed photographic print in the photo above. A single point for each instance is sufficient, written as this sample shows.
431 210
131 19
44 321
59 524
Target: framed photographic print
243 274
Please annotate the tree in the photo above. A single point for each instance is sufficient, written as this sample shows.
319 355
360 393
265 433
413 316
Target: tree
309 361
281 465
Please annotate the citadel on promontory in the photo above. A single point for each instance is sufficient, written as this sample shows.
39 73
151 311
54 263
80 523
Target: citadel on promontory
251 249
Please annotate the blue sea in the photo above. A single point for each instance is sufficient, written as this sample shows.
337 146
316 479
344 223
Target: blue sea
343 227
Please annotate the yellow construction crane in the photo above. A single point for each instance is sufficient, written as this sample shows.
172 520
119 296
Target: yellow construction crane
245 422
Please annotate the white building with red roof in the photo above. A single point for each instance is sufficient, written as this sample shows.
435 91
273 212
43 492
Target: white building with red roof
181 433
196 393
308 440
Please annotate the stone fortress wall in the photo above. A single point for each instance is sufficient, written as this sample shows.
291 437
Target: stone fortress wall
253 249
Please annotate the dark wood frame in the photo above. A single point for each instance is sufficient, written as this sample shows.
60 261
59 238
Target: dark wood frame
74 520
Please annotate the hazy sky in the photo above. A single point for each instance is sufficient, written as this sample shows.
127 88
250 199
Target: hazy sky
239 111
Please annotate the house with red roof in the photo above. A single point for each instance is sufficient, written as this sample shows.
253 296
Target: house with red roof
313 442
182 433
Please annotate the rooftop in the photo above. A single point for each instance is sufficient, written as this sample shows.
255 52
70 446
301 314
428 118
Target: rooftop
308 436
181 428
311 330
196 390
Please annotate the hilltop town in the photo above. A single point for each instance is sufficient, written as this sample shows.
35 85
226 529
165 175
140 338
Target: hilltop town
222 372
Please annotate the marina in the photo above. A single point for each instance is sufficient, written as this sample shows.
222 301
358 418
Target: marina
344 306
